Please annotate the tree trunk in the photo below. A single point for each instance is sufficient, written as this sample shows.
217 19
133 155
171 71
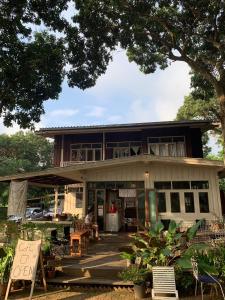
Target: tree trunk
221 100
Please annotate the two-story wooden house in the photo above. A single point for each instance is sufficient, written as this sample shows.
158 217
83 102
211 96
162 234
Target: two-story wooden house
148 170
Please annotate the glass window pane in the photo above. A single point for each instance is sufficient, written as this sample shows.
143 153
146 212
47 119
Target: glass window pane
180 149
141 206
181 185
98 154
175 202
79 200
199 185
203 202
161 202
172 150
110 185
178 139
76 146
96 146
163 150
90 155
189 202
91 199
153 139
86 146
162 185
154 149
166 139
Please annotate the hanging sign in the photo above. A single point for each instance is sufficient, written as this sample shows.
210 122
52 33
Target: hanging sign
127 193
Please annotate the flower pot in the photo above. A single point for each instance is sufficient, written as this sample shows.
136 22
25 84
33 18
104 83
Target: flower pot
139 291
3 288
51 274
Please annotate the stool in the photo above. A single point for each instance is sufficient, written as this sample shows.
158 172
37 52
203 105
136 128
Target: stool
81 238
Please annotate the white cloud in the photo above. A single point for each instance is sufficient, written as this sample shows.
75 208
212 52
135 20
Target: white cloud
9 130
64 112
161 93
114 119
96 111
140 111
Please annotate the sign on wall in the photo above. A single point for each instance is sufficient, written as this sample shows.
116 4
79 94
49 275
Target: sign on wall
128 193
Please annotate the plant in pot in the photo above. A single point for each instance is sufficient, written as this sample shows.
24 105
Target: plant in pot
6 260
138 276
130 257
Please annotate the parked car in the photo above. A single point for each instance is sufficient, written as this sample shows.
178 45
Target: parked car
51 211
34 213
14 218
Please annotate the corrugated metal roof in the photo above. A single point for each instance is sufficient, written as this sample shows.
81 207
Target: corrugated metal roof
192 123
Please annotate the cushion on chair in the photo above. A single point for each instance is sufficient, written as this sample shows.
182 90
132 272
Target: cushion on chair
207 279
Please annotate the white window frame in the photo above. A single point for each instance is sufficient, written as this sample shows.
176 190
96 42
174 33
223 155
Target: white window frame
166 144
86 151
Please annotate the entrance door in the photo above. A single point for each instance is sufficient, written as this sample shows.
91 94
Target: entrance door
100 196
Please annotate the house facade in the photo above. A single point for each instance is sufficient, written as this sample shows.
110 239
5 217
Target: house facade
148 171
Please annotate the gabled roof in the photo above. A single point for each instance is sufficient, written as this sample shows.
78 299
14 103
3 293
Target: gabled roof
52 131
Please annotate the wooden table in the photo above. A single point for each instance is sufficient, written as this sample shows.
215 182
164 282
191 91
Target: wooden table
81 237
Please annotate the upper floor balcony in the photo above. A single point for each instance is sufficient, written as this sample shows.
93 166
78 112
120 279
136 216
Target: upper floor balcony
161 146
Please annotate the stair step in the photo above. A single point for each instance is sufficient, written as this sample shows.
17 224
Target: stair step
108 273
89 281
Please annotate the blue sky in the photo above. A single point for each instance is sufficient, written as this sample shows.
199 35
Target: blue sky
122 95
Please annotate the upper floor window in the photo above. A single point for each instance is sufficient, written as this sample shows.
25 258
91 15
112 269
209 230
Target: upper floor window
124 149
166 146
86 152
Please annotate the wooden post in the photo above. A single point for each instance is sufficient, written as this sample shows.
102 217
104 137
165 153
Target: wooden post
56 190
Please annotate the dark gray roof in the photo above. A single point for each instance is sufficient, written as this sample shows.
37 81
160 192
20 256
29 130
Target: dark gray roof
51 131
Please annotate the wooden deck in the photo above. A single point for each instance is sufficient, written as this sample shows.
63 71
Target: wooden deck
99 267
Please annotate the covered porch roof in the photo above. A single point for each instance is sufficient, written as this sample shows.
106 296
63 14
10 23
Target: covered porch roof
76 173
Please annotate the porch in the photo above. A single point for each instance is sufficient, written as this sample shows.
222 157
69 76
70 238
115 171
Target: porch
101 265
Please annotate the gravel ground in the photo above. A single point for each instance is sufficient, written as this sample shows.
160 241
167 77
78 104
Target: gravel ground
66 294
83 294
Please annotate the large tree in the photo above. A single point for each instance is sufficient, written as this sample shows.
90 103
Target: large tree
22 152
156 33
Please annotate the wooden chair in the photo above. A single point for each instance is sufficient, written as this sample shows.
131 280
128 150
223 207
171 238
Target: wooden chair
164 285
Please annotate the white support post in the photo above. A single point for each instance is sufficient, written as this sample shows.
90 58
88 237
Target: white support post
56 190
62 152
103 145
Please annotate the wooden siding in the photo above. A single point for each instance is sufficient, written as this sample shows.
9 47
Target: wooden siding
57 150
162 172
192 140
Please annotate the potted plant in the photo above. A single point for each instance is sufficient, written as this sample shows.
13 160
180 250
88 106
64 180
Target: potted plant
6 260
50 272
138 276
130 258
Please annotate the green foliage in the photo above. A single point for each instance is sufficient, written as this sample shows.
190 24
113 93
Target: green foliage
198 109
6 260
135 274
40 46
156 247
26 151
23 152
